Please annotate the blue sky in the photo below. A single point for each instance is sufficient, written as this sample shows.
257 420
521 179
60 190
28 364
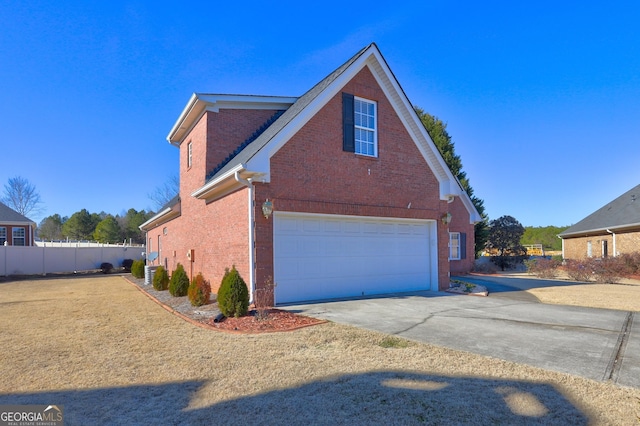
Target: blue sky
542 99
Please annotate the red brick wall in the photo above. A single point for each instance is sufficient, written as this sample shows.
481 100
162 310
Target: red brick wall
219 231
460 223
312 173
28 234
227 129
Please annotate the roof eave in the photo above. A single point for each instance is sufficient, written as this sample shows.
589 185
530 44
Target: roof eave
225 183
607 229
161 217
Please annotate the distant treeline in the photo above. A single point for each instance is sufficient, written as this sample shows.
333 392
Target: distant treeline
545 235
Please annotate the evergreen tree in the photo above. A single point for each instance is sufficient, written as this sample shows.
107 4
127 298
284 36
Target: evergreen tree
438 132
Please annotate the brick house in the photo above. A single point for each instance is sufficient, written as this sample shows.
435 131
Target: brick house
337 193
15 229
611 230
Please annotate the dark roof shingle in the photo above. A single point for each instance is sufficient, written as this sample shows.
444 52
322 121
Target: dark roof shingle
622 212
7 214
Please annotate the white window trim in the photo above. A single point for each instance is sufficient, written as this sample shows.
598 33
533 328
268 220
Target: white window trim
374 129
14 237
452 246
3 234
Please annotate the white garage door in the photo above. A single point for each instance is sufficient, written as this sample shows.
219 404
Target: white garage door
326 256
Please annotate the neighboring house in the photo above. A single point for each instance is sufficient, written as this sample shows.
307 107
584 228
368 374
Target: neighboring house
610 231
337 193
15 229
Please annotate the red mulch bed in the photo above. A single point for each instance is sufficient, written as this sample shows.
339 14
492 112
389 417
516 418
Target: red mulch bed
273 320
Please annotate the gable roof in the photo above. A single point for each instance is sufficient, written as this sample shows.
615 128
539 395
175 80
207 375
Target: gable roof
621 213
252 162
9 216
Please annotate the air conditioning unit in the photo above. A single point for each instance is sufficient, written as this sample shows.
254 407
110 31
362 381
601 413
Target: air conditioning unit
190 255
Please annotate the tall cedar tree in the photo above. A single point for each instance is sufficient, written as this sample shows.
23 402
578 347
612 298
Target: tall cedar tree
438 132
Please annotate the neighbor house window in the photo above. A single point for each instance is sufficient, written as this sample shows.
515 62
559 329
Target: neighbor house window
3 235
365 127
359 125
589 249
454 245
18 236
189 154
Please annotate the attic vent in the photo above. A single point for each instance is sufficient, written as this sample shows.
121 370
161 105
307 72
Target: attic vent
633 197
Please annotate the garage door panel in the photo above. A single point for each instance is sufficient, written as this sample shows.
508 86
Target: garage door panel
321 257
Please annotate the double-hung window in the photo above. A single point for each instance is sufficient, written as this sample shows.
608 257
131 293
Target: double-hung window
457 245
18 237
3 235
359 125
454 245
365 127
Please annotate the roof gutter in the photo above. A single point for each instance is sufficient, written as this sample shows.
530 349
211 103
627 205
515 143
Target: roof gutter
600 230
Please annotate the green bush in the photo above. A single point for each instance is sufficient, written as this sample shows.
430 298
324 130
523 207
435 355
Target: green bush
179 283
233 295
137 268
199 291
161 279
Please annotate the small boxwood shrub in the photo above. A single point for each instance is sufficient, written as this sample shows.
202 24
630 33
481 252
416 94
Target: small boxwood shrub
199 291
161 279
137 268
126 264
106 267
179 283
233 295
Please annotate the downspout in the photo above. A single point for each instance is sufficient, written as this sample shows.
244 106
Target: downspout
614 241
252 280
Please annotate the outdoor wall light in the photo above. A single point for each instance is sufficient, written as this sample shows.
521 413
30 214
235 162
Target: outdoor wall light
446 218
267 208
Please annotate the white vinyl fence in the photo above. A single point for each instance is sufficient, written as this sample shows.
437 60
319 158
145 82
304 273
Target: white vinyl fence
15 260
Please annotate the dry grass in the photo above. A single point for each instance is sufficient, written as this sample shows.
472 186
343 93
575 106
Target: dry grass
625 297
110 355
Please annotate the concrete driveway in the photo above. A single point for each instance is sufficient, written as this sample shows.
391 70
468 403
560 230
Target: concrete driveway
510 324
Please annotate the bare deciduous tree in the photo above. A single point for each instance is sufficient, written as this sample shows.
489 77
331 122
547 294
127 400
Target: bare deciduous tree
21 195
164 193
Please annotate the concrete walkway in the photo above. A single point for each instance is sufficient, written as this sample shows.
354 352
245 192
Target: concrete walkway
599 344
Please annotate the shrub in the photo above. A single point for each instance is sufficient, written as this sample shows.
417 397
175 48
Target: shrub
199 291
543 267
179 283
161 279
631 262
126 264
137 268
484 266
233 296
579 270
106 267
608 270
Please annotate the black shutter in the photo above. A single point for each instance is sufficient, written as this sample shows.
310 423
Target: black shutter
348 129
463 245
